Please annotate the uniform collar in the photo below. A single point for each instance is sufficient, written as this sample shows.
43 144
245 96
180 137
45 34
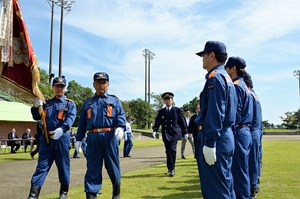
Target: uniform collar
221 66
98 96
62 98
238 78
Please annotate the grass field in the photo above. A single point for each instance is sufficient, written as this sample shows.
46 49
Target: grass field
280 178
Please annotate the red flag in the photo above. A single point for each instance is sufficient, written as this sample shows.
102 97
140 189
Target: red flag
19 71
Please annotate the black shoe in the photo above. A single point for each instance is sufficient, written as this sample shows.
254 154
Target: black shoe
91 195
170 173
34 192
254 191
63 192
183 157
116 192
13 152
76 157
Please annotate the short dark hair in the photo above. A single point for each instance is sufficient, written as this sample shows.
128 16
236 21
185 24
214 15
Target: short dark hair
221 57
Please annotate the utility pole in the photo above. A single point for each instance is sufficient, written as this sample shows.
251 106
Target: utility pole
148 56
297 75
65 5
51 75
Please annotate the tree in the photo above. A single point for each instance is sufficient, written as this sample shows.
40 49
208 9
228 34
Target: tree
266 124
158 102
125 105
141 111
192 105
78 94
290 121
44 85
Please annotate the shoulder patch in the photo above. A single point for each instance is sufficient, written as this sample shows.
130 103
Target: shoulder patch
212 73
68 99
236 82
113 95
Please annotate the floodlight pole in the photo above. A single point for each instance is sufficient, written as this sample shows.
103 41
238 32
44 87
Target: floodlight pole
148 56
51 43
65 5
297 75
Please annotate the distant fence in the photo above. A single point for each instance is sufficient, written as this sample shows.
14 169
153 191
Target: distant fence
282 133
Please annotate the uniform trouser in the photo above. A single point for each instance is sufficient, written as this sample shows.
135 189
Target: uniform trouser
240 166
15 146
127 146
170 147
260 153
183 143
254 160
58 151
197 141
216 180
101 147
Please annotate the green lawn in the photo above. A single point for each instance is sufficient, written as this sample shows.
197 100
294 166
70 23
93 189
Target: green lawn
280 178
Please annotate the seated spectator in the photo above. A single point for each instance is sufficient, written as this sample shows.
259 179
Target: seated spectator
14 141
28 139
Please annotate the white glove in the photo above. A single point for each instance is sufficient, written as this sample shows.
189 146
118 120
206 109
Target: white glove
58 133
154 134
38 102
209 155
78 146
132 135
119 133
125 137
186 136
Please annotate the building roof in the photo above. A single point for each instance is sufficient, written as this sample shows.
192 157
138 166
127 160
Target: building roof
15 111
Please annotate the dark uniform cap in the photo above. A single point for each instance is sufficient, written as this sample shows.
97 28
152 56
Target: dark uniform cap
101 75
213 46
59 81
167 94
237 62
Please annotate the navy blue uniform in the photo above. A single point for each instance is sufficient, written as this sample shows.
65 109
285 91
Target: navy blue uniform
128 144
218 104
173 125
256 133
243 139
193 129
99 116
59 113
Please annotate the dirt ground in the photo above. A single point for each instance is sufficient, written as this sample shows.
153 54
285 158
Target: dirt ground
16 176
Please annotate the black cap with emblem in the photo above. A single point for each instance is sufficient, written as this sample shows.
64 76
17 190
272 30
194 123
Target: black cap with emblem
101 75
167 95
59 81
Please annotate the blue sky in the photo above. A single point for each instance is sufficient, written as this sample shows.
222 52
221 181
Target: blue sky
110 36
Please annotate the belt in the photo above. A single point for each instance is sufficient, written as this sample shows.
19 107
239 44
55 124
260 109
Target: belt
200 127
242 125
103 130
50 134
